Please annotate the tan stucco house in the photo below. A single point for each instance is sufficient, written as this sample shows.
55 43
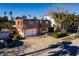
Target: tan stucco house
28 27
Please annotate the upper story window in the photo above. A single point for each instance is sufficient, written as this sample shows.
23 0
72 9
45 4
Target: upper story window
46 22
37 22
21 23
29 23
17 22
41 21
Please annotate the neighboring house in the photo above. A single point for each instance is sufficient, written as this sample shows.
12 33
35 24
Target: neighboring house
52 21
28 27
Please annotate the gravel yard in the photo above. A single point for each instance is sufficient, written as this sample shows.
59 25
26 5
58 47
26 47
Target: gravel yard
30 44
42 46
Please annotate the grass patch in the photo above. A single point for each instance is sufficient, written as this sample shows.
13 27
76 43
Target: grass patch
59 34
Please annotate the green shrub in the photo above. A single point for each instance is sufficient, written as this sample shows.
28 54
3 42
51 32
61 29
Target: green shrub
59 34
52 34
18 37
62 34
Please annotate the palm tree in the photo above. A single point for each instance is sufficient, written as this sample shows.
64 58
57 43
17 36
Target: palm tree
29 16
10 13
5 13
24 17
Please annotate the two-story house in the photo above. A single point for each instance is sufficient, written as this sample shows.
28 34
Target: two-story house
28 27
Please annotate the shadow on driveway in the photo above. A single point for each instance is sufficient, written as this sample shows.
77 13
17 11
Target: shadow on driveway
66 49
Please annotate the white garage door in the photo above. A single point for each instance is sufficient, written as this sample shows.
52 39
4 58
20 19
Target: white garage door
29 32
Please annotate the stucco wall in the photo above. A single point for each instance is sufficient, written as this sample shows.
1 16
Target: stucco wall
52 20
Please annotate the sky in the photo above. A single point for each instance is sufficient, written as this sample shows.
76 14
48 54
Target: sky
35 9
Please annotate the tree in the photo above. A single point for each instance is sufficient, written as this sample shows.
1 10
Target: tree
5 13
24 17
64 19
1 19
18 17
29 16
35 18
5 18
10 13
